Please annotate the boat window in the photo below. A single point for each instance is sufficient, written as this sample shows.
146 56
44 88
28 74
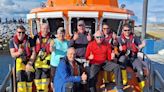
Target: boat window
116 24
54 24
89 22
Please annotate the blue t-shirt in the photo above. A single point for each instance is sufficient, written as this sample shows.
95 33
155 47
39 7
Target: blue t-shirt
11 44
60 50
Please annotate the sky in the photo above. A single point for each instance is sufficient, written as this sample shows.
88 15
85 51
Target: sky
155 10
19 8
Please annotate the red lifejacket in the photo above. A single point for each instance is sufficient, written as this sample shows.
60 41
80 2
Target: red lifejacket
24 45
131 45
109 39
40 45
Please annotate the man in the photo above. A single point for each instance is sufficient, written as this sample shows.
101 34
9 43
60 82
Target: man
108 33
111 39
42 62
99 54
24 57
129 47
80 40
67 78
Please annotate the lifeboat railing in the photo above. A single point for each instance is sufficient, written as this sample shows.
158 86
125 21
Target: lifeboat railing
8 83
155 79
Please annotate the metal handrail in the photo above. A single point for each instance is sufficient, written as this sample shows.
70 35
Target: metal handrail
149 77
152 77
161 81
7 78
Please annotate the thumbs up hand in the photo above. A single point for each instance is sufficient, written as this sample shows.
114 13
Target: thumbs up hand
91 56
112 55
89 38
84 76
20 51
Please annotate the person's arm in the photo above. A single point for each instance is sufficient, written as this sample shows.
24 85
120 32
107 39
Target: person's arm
139 44
142 45
89 38
52 45
71 43
37 46
65 75
29 66
88 52
74 38
109 53
33 56
14 53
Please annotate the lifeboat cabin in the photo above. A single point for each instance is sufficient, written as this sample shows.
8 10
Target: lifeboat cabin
66 13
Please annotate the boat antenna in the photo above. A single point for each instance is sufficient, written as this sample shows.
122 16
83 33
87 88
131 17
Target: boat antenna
123 6
43 4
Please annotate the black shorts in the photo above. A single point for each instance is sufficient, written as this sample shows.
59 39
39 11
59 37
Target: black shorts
53 71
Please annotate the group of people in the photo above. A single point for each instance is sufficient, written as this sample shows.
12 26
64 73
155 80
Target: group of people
68 64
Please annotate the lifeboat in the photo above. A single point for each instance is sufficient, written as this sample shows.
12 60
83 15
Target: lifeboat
66 13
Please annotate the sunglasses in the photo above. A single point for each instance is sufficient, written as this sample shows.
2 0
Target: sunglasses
21 32
126 30
99 37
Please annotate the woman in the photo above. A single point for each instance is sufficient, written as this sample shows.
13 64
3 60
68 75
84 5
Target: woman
59 48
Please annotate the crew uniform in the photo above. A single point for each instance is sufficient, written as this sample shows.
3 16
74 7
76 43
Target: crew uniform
42 63
114 45
23 79
128 56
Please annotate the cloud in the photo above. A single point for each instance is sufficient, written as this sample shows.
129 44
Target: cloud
6 2
155 9
152 19
17 8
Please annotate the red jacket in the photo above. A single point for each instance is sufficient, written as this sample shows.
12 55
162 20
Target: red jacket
101 53
108 39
